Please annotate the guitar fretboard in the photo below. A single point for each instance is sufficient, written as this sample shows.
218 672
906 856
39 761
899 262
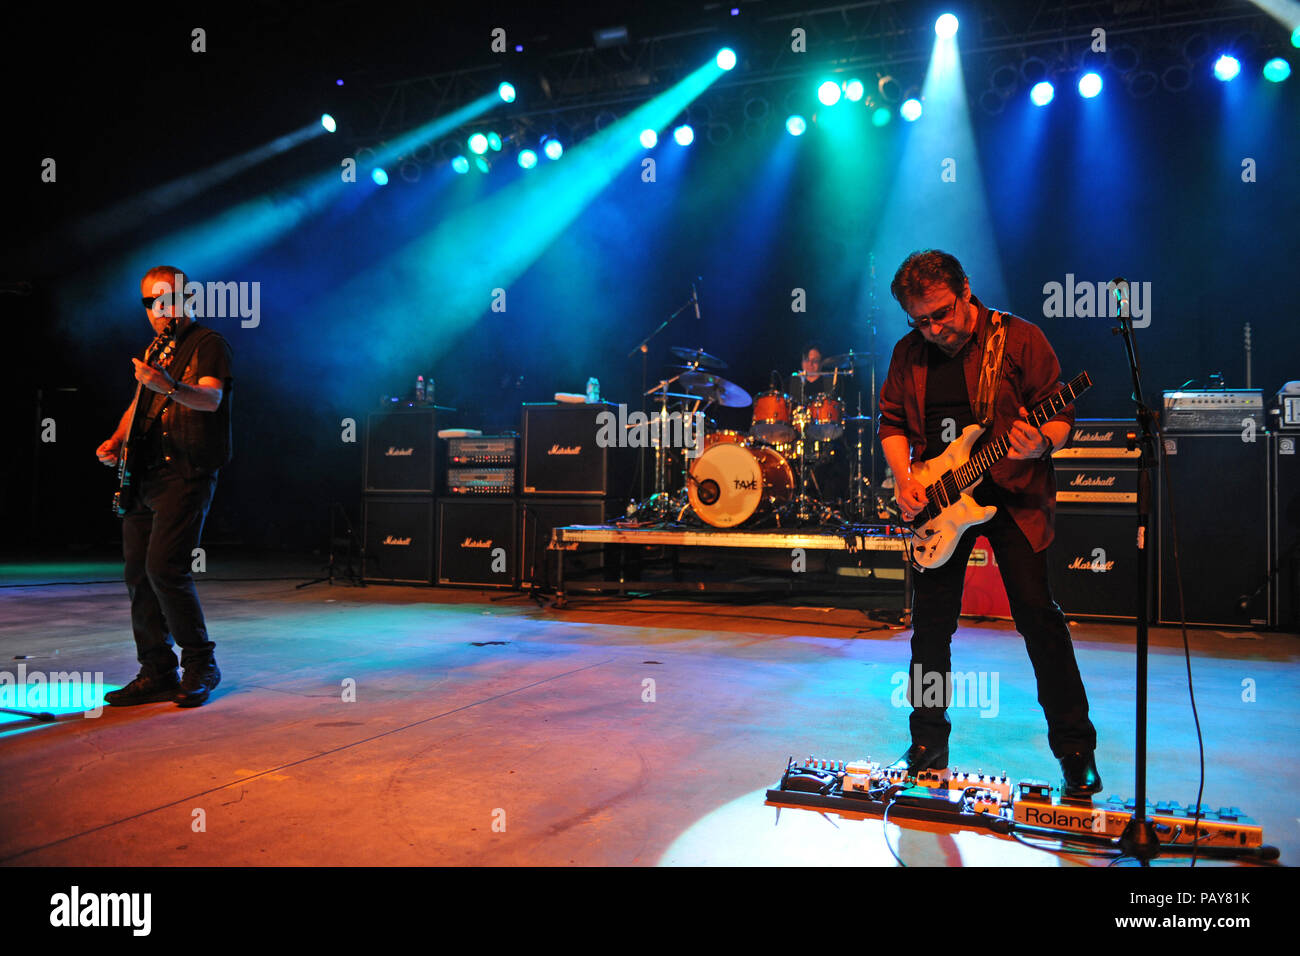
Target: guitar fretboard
949 486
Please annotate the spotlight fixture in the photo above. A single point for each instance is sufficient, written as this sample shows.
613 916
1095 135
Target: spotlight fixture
527 159
494 142
881 116
327 121
683 135
726 58
829 93
891 91
854 91
649 138
910 110
946 26
796 125
507 92
478 144
1089 85
553 148
460 164
1042 93
1276 70
379 176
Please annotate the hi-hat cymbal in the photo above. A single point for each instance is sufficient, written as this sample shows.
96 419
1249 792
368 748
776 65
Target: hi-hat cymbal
697 357
715 387
657 393
846 362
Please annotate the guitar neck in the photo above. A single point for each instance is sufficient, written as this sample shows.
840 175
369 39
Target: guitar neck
996 450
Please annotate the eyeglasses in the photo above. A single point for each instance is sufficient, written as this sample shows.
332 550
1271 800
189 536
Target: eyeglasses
923 322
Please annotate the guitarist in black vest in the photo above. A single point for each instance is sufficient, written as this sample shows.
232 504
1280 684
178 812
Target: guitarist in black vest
946 374
176 435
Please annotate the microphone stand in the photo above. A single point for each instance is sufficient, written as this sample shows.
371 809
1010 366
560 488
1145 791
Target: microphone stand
643 348
1139 839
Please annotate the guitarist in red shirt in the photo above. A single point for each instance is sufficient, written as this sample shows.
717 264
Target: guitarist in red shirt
963 365
170 444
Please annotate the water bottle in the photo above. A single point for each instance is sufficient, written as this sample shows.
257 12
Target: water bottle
428 390
419 389
593 391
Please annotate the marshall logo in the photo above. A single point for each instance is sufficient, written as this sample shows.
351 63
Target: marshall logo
1082 481
565 450
471 543
401 542
1083 564
399 452
1091 436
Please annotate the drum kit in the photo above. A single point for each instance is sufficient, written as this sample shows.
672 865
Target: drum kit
728 478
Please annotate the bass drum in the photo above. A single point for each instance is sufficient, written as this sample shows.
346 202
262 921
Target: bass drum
730 483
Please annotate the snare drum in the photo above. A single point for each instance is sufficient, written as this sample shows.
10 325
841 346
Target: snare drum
825 418
772 417
729 483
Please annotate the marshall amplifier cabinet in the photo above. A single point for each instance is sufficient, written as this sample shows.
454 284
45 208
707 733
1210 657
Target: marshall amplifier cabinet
481 481
1099 439
1220 487
1092 562
1285 553
401 448
539 517
478 543
562 454
398 538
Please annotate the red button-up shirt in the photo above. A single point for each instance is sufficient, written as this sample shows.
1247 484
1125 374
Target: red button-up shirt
1030 373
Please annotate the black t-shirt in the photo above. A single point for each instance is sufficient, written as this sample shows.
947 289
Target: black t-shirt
200 439
946 397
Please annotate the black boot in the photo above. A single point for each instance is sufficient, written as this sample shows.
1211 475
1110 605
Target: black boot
197 684
920 757
1079 775
144 690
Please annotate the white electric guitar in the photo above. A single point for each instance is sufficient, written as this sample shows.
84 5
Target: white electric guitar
950 510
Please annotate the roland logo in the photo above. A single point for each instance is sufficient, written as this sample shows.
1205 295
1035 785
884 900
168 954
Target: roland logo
399 542
565 450
1079 436
1058 817
1092 481
473 543
399 452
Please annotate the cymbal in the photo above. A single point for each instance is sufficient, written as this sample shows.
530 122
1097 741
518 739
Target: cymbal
698 357
846 362
682 395
715 387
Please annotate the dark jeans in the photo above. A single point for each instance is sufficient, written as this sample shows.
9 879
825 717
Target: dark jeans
936 605
158 538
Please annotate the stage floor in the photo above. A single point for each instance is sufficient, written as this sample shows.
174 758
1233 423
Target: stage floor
487 730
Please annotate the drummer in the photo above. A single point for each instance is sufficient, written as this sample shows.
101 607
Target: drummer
810 381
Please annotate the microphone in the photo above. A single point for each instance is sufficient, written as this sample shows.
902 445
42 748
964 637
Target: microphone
695 297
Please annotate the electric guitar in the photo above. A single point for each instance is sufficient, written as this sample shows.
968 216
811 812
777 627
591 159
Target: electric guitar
159 355
949 511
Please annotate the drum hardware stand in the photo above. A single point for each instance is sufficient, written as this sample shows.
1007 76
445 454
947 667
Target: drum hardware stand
644 348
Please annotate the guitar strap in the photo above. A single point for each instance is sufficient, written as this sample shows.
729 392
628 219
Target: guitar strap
995 340
180 358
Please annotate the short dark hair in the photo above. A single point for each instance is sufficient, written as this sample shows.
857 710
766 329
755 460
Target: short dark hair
171 272
814 344
924 269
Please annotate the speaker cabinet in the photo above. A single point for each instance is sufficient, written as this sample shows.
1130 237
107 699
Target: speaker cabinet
1285 459
539 518
478 542
1220 486
1092 562
401 449
398 536
562 457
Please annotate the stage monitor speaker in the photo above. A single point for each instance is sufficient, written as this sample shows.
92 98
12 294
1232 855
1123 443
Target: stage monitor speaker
398 538
1220 485
1093 559
539 518
478 542
1285 457
401 449
562 457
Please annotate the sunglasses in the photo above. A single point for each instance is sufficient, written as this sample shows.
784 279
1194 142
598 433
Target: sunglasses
167 298
923 322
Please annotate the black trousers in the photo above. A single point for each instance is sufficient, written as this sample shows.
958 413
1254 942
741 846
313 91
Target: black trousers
936 606
158 540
